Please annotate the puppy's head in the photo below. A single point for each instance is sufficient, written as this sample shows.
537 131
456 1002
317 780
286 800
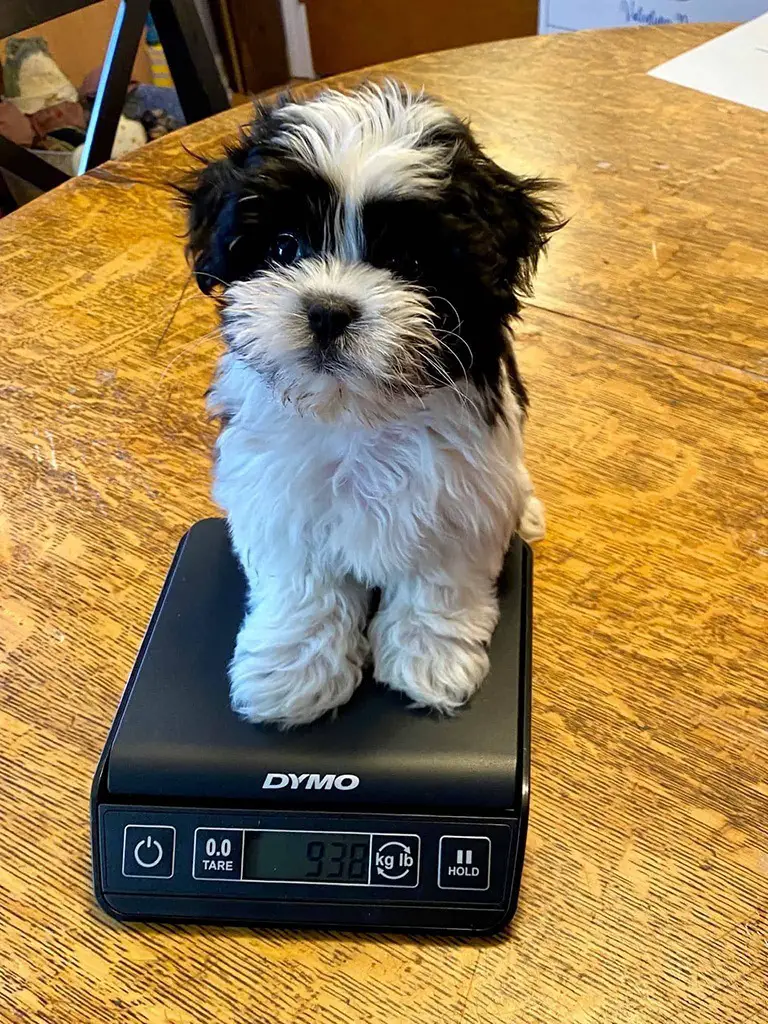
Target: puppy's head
367 251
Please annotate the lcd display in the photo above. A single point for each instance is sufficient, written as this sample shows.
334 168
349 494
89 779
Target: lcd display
306 857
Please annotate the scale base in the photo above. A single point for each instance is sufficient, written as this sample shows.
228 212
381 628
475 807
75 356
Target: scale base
186 797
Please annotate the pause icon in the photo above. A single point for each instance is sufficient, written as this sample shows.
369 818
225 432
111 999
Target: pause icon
463 856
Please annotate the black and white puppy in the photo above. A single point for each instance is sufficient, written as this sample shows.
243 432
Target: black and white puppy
369 257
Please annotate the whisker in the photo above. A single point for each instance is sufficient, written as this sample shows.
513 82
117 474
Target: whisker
399 377
191 347
445 332
452 334
442 298
451 384
162 337
213 277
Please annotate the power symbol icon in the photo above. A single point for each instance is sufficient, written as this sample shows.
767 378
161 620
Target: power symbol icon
149 851
153 855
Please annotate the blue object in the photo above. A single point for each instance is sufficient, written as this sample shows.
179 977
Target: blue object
156 97
153 39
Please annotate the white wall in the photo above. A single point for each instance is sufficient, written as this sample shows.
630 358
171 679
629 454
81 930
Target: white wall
297 39
567 15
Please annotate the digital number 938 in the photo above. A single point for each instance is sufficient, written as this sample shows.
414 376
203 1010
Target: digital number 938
337 860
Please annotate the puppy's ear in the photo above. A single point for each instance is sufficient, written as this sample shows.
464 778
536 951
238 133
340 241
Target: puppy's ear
211 200
523 220
518 217
212 195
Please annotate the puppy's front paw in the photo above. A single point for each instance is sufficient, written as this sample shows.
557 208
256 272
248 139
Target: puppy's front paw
434 670
532 525
314 667
292 697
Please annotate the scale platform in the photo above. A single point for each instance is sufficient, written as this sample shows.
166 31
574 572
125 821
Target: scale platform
383 817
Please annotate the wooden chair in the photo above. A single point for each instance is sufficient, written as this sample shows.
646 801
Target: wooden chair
190 60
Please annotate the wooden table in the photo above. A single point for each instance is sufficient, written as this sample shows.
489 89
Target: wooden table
645 893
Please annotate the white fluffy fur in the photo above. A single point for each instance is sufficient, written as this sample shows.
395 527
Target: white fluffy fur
422 506
371 155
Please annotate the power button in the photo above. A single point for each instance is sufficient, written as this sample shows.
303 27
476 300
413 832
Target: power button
149 851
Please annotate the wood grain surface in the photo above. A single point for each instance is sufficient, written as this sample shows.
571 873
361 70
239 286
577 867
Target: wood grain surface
645 893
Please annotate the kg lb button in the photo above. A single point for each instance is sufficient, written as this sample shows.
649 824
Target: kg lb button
464 862
149 851
395 860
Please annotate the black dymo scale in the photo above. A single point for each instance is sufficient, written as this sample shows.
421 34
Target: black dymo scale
383 817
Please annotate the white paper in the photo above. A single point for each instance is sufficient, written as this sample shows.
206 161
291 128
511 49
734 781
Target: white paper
733 66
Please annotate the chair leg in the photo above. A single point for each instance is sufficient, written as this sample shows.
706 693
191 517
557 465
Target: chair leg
190 58
28 167
17 17
113 85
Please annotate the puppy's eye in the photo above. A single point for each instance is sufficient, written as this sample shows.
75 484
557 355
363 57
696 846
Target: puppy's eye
405 265
285 249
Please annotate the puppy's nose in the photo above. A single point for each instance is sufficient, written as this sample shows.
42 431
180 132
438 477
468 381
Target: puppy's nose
329 318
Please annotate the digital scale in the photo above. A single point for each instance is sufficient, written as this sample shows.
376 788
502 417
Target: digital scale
383 817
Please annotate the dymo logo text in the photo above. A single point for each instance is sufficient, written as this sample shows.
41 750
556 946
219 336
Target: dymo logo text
287 780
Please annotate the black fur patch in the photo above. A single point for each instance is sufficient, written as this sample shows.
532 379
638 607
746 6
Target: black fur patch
237 206
475 250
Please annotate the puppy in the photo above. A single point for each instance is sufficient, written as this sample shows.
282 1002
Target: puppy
368 257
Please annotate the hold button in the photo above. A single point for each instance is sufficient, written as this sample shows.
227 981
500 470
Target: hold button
464 862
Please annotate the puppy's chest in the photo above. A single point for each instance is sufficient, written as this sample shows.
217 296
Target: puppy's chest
368 502
381 477
363 488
